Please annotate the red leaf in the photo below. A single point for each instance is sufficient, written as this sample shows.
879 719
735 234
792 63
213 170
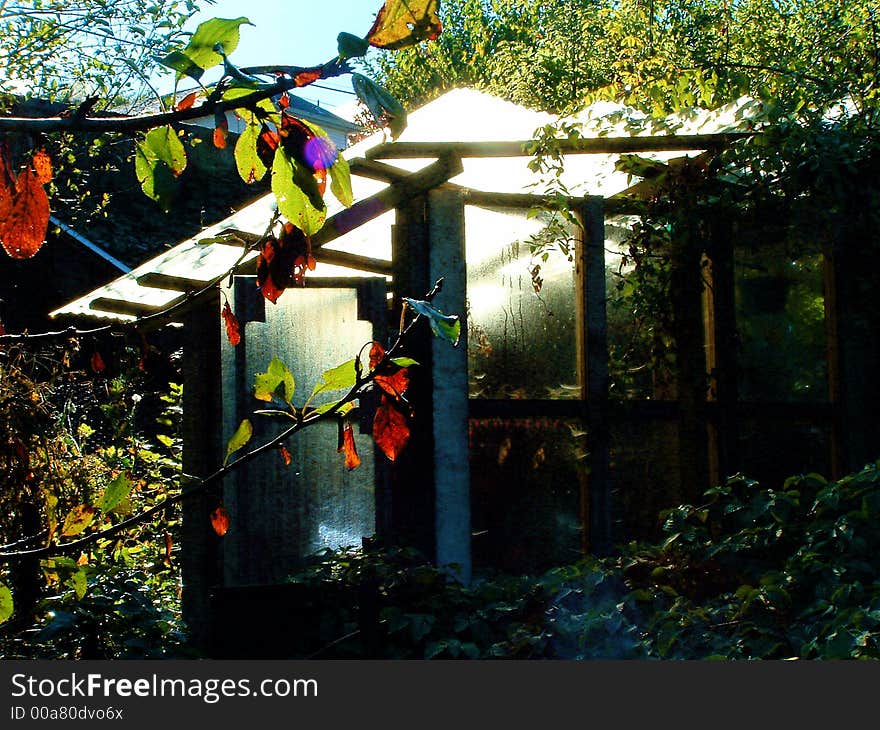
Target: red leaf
187 101
42 164
396 384
283 262
390 431
221 129
220 520
308 76
22 452
24 212
284 101
352 460
97 363
233 328
285 454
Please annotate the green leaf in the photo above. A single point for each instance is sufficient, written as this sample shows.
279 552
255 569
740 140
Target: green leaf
80 583
78 519
159 159
248 162
116 492
277 376
296 191
446 326
241 436
384 107
350 46
341 377
183 64
340 181
200 49
7 607
403 362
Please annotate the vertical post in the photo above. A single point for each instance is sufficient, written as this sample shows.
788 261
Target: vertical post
412 490
450 386
201 454
592 349
721 339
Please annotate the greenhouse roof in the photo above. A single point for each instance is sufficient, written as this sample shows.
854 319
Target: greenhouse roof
465 137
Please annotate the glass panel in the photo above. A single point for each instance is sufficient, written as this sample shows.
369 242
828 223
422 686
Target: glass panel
521 342
525 493
781 325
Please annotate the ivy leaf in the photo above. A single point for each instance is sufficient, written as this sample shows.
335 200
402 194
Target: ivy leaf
241 436
341 377
233 328
445 326
78 519
7 607
159 159
220 520
402 23
390 430
348 446
340 181
199 54
247 160
277 376
296 191
116 493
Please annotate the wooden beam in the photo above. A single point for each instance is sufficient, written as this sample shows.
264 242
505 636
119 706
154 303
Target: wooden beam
135 309
418 183
375 170
589 145
353 261
155 280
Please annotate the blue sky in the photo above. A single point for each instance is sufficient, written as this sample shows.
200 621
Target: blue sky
295 33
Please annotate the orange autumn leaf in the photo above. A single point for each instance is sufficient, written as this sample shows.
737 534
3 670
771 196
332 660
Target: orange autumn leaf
220 138
220 520
168 546
187 101
97 363
308 76
24 212
42 164
233 328
390 431
396 384
285 455
352 460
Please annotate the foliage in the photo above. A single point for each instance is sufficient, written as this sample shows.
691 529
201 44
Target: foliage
752 573
63 51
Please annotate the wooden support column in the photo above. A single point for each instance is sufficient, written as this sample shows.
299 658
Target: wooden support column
592 349
201 455
720 332
410 516
450 387
686 291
